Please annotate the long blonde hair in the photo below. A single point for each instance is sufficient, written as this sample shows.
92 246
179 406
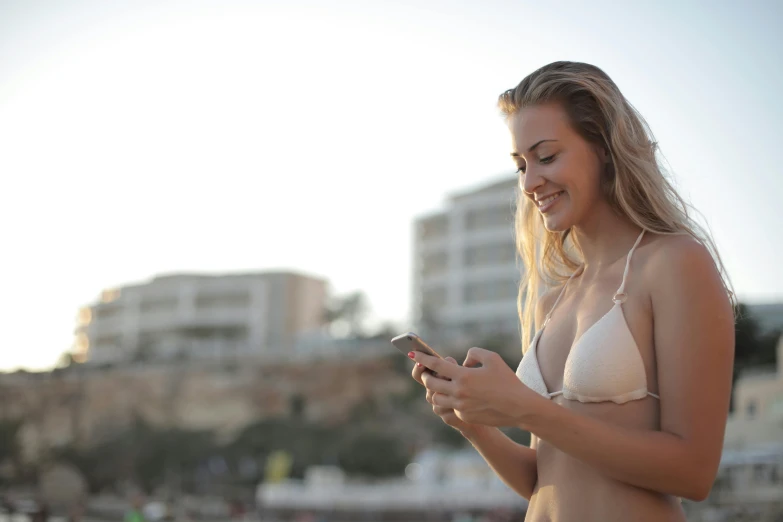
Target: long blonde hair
634 182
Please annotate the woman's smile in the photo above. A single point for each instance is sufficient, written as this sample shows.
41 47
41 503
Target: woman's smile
546 203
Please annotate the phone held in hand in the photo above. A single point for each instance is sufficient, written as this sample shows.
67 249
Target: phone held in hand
410 342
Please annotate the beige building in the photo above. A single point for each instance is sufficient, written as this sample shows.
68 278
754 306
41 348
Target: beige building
199 316
749 485
758 413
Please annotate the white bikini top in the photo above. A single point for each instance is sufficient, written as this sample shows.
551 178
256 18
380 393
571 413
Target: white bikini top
604 363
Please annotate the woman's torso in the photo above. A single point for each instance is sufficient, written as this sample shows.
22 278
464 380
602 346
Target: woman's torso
568 489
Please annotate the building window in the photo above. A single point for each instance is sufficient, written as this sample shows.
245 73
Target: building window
433 227
490 255
493 217
759 473
434 263
434 298
103 313
297 406
775 407
750 408
471 328
239 300
159 305
488 291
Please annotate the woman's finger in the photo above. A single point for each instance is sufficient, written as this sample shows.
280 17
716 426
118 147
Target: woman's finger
446 401
441 411
416 373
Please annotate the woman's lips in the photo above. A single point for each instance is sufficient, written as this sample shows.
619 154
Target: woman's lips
546 204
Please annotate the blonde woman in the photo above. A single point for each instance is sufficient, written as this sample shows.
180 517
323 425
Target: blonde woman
626 381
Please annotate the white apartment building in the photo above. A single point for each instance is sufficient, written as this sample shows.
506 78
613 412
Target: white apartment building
466 275
199 316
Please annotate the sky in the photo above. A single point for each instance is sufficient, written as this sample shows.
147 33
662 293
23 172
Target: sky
146 137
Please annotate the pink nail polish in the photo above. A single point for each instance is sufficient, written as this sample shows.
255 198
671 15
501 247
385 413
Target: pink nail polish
411 354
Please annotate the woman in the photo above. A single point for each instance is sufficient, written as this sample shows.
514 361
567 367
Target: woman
625 386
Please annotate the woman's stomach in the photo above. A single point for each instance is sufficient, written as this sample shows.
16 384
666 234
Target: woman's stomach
569 490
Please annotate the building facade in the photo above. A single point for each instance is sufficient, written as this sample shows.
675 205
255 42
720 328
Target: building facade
465 270
759 395
196 316
750 477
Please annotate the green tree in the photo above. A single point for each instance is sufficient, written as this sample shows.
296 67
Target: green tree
142 454
387 331
66 359
444 434
373 454
309 444
9 443
348 311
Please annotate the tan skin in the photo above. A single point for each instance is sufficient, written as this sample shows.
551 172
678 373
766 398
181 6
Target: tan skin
601 461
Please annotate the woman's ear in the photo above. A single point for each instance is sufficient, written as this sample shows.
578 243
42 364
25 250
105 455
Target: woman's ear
603 154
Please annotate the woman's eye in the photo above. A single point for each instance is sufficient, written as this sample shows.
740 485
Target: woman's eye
521 170
548 159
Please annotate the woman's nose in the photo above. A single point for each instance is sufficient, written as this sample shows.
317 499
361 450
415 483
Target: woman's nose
531 181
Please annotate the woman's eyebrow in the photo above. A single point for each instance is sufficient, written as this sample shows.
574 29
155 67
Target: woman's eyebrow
531 149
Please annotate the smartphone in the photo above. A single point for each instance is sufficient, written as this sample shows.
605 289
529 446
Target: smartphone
410 342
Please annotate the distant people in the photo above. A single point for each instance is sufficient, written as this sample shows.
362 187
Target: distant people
41 513
305 516
136 511
237 509
7 506
169 515
76 513
625 384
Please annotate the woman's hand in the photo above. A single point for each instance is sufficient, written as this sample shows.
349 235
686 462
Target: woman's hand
484 390
422 376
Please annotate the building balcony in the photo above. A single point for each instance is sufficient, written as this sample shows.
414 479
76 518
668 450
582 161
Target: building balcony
199 318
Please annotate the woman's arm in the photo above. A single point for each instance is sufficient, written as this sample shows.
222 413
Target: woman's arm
514 463
694 347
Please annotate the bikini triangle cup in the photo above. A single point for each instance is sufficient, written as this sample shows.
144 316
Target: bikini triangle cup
604 363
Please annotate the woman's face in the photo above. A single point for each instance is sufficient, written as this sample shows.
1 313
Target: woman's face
558 170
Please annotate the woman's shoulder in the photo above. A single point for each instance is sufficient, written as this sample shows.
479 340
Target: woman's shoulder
670 260
664 253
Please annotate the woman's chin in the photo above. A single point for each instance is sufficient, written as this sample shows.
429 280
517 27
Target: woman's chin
555 223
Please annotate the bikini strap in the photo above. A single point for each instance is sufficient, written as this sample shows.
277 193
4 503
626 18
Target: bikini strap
549 314
620 296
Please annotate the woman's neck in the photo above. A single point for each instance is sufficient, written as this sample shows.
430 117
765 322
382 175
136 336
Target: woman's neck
604 238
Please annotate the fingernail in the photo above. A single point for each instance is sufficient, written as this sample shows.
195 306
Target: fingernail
411 355
419 365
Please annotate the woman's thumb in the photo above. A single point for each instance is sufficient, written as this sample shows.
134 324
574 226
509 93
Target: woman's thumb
451 360
475 358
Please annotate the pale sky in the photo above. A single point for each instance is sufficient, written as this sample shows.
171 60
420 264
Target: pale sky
146 137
